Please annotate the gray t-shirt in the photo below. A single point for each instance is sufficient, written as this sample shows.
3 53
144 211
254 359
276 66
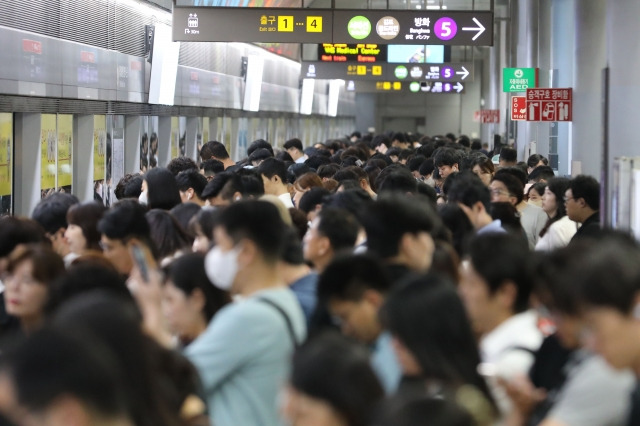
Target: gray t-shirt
594 394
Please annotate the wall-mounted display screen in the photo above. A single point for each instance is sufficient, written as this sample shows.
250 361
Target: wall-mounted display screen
407 53
328 52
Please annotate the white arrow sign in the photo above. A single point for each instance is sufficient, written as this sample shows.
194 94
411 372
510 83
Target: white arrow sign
464 72
458 87
480 29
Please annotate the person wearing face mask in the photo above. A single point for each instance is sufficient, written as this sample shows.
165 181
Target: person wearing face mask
243 356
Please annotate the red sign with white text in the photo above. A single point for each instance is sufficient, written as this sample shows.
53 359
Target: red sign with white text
487 116
519 108
31 46
549 104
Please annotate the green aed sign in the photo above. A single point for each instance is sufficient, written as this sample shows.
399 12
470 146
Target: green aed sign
519 79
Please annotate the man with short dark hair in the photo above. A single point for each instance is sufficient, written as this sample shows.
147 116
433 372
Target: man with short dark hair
508 157
333 230
447 160
379 143
180 164
259 144
399 140
474 199
217 151
295 150
495 286
209 168
607 283
274 177
541 174
130 186
51 213
363 180
582 201
121 227
399 231
354 288
243 357
191 184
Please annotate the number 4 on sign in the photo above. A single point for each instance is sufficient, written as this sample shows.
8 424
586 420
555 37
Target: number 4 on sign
314 24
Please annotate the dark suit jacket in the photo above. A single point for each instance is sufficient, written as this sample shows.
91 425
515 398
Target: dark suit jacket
590 227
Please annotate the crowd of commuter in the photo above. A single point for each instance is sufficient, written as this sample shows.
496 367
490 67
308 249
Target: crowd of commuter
376 280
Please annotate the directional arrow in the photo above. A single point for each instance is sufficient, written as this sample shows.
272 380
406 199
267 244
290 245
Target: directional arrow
459 87
464 72
480 29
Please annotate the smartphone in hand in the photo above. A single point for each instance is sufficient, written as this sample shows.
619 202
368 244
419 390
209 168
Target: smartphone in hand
141 262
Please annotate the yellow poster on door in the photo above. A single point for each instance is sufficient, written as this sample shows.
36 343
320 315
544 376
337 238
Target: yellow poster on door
175 136
99 146
6 145
48 151
65 138
205 130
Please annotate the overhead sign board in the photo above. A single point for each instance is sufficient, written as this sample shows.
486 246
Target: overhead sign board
252 24
284 25
329 52
519 108
549 104
378 71
519 79
404 87
413 27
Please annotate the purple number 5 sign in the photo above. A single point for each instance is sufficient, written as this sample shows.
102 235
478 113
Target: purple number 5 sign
445 28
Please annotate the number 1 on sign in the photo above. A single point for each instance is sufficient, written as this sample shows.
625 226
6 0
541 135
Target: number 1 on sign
285 23
314 24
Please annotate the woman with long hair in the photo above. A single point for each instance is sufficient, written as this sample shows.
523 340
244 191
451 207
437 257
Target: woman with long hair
559 229
435 346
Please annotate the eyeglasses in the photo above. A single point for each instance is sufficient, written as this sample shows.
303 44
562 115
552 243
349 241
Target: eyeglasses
500 192
568 198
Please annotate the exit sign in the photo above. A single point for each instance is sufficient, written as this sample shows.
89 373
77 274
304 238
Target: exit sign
519 79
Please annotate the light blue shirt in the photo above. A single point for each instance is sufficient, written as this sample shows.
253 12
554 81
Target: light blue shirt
244 357
385 364
494 227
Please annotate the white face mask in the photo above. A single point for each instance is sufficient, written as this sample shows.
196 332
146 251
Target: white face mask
142 199
222 267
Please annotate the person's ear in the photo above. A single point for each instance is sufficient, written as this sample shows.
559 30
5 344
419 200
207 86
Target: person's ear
198 299
507 294
324 245
247 254
373 297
